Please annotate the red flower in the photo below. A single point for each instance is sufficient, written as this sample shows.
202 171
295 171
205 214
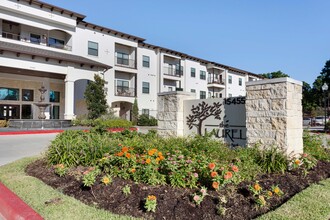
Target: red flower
214 174
234 168
228 175
215 185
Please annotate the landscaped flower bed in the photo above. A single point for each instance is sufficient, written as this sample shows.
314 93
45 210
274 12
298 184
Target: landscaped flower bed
147 176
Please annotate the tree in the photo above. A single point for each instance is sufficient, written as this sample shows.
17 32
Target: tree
135 112
95 96
201 112
272 75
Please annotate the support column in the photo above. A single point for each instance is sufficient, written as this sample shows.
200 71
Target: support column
69 100
274 114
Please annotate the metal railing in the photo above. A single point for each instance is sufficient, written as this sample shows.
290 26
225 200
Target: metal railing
130 63
170 71
40 41
215 81
124 91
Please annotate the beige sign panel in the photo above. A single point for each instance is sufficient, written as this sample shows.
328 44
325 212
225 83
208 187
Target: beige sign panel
224 117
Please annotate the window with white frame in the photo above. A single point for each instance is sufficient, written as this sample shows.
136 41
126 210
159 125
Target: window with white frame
145 111
146 61
240 81
93 48
202 74
230 79
202 95
193 90
145 87
193 72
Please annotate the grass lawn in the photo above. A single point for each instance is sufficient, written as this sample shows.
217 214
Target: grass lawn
312 203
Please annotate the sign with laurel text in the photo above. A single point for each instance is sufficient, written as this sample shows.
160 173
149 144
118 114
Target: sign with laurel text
224 117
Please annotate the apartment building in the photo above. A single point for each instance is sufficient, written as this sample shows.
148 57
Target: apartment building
43 45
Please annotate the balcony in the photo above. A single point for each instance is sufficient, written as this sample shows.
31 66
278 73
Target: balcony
43 41
170 71
218 83
123 62
124 91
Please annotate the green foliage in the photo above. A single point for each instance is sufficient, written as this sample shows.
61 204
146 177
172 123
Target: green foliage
151 203
96 98
74 148
126 190
313 146
112 123
60 169
272 159
89 176
147 120
135 112
272 75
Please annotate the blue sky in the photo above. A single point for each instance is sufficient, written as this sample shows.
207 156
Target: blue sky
256 35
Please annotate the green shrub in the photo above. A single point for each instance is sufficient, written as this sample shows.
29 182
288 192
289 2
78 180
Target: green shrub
112 123
74 148
272 159
147 120
3 123
313 145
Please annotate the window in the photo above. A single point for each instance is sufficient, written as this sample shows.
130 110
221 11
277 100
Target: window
9 94
122 58
202 95
55 114
26 112
53 42
193 90
145 111
93 48
193 72
35 38
122 88
240 81
220 95
145 87
202 74
27 95
54 96
230 79
146 61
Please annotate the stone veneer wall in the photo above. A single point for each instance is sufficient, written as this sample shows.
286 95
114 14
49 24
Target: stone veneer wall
274 114
170 112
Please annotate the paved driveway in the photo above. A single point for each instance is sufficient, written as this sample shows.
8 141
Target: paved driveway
14 147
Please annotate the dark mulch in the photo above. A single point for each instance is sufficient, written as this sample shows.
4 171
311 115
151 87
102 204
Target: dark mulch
176 203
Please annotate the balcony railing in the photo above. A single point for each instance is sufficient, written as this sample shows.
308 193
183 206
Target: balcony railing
130 63
170 71
124 91
215 81
33 40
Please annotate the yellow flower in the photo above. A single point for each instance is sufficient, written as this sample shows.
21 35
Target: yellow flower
106 180
148 161
277 190
257 187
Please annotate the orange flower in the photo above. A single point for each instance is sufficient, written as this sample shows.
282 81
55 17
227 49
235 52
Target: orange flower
161 157
211 166
133 170
157 159
151 197
257 187
297 162
148 161
228 175
120 154
160 154
214 174
128 155
151 152
124 149
269 193
215 185
234 168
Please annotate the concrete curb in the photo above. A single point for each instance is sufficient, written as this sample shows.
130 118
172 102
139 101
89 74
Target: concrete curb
12 207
